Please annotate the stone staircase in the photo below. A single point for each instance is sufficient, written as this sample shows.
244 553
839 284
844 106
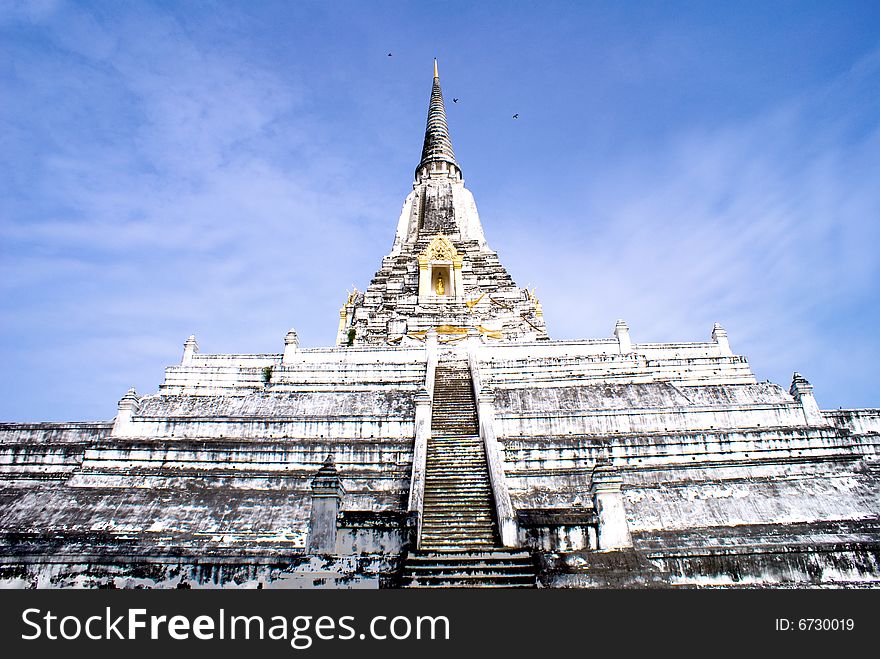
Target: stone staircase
459 536
458 510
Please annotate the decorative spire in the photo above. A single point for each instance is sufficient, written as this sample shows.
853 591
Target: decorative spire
438 146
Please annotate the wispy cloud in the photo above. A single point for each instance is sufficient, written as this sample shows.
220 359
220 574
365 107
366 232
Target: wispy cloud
769 226
195 198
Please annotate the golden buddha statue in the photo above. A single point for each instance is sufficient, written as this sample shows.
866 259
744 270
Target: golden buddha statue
441 290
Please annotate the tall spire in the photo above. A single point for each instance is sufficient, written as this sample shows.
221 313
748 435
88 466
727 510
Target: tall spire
438 146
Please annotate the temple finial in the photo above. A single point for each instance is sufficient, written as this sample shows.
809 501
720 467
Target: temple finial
438 158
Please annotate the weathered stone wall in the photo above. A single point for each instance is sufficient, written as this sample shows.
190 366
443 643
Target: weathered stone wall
45 451
701 448
208 482
220 460
206 570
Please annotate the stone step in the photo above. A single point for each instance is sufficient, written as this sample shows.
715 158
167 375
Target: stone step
453 470
475 541
495 574
463 440
466 585
461 512
467 493
474 503
468 529
451 486
473 451
465 513
453 479
469 555
456 525
451 461
477 567
482 505
474 487
457 519
468 465
469 501
464 475
473 537
469 581
469 496
457 477
444 533
440 546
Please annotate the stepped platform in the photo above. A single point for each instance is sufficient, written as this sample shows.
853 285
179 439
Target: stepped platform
474 568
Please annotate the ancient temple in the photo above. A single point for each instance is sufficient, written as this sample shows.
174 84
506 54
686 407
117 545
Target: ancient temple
447 440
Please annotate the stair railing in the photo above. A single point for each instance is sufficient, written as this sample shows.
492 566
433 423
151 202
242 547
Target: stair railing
423 401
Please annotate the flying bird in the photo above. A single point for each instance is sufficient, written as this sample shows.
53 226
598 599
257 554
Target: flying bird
455 100
516 116
389 54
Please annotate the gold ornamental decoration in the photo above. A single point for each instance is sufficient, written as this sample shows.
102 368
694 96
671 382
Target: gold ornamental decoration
440 249
472 303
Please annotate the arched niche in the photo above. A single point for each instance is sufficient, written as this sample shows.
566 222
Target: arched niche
440 271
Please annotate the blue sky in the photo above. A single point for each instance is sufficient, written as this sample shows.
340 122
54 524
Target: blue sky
230 169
